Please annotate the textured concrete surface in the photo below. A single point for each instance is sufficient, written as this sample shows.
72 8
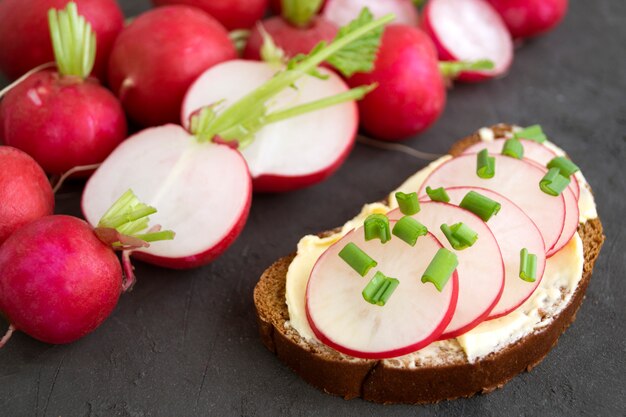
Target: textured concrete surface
186 344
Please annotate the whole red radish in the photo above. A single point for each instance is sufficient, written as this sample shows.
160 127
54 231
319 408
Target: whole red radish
297 31
341 12
469 30
61 278
25 38
528 18
411 92
25 193
64 119
233 14
157 57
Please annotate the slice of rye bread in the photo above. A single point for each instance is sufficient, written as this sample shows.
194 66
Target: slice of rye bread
422 381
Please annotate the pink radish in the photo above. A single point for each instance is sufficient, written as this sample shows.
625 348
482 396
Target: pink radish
297 31
341 12
413 317
469 30
233 14
570 224
513 231
277 6
25 38
528 18
480 269
25 193
517 180
63 119
61 278
157 57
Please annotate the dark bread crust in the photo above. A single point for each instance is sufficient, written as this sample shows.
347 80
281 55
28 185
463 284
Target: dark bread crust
376 380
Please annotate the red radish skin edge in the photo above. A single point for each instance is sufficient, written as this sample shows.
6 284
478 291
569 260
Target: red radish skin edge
233 14
528 18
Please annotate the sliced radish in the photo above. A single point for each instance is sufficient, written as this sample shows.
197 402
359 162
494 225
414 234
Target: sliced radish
341 12
414 316
513 231
516 179
469 30
533 151
292 153
202 190
570 224
481 269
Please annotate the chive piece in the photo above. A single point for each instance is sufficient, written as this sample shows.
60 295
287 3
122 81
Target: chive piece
566 166
459 235
379 289
357 259
409 229
376 226
482 206
553 183
534 132
513 148
441 268
485 165
528 266
438 194
408 203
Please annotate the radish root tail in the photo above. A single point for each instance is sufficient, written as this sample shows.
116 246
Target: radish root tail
7 335
25 76
59 183
398 148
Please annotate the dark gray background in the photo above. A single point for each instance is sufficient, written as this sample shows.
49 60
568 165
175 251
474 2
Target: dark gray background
186 344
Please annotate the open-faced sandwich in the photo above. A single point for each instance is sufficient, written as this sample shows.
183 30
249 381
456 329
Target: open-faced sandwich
465 276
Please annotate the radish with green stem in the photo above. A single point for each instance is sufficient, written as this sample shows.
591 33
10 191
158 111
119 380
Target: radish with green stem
25 38
233 14
25 193
297 31
341 12
157 57
63 118
61 278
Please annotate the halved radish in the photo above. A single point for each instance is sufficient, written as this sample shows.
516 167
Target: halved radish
203 191
292 153
469 30
516 179
414 316
343 11
513 231
481 269
533 151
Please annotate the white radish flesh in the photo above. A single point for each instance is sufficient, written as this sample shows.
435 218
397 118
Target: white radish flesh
309 145
342 12
469 30
517 180
571 221
413 317
481 270
513 231
202 192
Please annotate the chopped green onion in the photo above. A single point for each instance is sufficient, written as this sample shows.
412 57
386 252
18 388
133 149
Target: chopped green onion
513 148
485 165
482 206
553 183
409 229
438 194
441 268
566 166
376 226
357 259
528 266
379 289
534 132
459 235
408 203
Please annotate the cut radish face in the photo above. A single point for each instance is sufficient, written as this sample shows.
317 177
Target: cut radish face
469 30
513 231
517 180
413 317
341 12
291 153
533 151
571 221
202 190
481 270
